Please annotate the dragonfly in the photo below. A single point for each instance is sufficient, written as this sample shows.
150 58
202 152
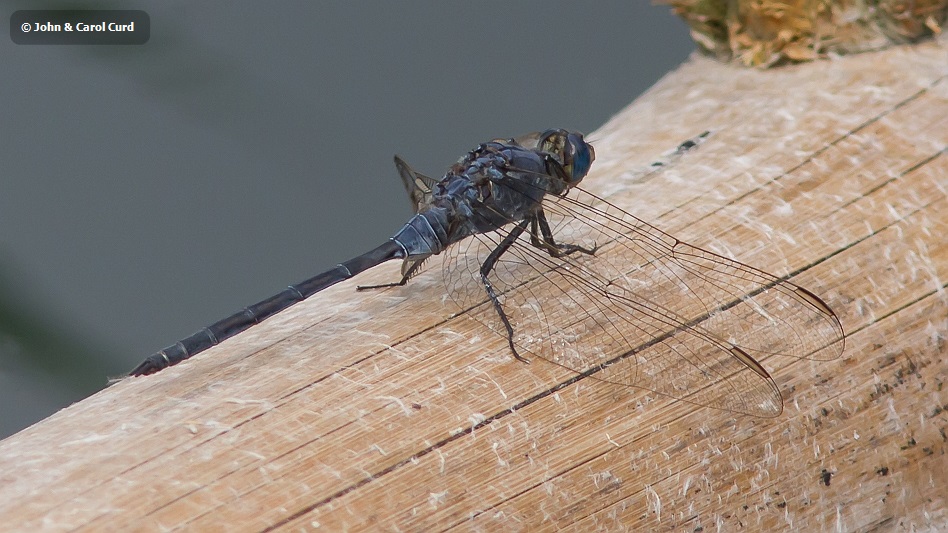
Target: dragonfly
567 277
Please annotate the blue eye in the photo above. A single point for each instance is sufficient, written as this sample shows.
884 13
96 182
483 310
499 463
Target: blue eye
581 156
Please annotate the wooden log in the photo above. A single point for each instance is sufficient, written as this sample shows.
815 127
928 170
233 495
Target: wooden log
381 411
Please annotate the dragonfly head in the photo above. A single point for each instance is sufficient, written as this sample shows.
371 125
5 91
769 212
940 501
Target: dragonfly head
574 154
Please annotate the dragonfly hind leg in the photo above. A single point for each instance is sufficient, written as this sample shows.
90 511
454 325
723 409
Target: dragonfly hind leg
539 227
548 243
486 269
407 272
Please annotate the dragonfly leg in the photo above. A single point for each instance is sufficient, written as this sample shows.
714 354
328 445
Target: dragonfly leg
486 269
411 271
548 243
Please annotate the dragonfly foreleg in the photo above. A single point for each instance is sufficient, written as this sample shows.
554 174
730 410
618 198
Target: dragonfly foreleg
486 269
548 243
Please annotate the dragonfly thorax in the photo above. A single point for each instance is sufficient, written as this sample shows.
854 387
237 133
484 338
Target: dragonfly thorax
493 186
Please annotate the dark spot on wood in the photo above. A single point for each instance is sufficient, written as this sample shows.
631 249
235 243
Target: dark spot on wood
825 477
613 485
882 471
881 389
904 372
782 505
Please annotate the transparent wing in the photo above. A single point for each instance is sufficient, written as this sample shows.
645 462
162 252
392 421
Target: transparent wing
417 185
645 310
527 140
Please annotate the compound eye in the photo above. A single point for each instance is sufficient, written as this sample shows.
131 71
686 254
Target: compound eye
578 156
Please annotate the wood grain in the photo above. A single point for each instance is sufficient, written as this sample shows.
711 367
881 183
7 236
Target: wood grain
382 411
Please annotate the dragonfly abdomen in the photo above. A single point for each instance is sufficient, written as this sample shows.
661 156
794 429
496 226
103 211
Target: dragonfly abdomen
260 311
425 234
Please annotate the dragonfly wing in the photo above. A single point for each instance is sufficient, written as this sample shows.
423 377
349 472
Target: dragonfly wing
528 140
417 185
645 310
756 311
561 311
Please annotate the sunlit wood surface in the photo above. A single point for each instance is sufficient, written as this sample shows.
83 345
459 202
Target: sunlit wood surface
355 411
